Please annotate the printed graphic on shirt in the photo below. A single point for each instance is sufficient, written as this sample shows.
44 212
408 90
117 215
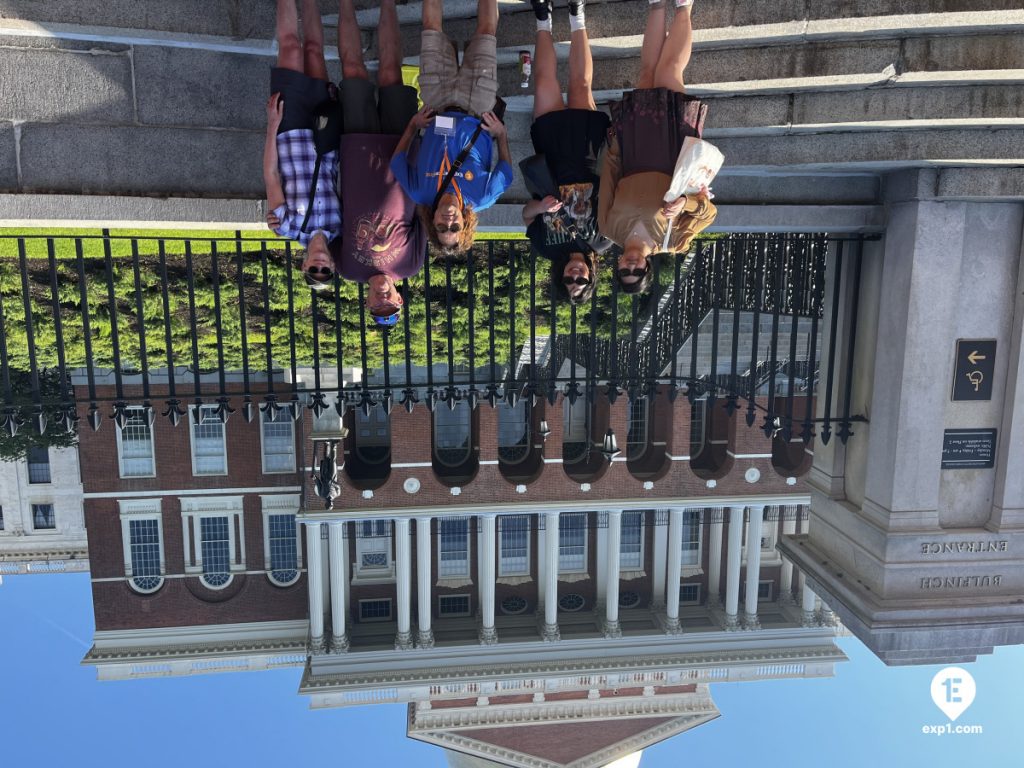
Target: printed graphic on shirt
578 203
376 240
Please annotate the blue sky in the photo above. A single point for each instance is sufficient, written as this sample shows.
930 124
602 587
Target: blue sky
53 711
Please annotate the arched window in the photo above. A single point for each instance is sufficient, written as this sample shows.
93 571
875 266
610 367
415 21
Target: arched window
698 419
636 438
142 537
452 433
215 541
513 431
281 542
574 426
373 435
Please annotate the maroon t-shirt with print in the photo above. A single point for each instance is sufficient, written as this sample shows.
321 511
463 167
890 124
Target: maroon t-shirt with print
380 232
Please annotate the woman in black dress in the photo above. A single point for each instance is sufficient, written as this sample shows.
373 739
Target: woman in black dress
570 136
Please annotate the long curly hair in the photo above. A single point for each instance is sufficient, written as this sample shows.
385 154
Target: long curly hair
465 235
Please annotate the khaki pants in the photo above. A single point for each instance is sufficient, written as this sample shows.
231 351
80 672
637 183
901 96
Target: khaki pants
472 87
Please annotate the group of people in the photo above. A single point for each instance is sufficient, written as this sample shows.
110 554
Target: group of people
363 178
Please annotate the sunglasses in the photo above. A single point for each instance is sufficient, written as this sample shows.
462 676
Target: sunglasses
449 227
569 280
636 272
320 274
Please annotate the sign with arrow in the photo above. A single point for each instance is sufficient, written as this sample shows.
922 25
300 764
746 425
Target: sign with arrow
975 367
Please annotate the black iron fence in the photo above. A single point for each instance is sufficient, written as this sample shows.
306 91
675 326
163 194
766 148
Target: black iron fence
203 320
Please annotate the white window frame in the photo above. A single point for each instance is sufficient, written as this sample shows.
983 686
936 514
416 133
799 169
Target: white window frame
769 554
374 545
194 509
624 563
281 504
700 590
207 412
152 445
49 468
507 569
448 614
140 509
389 617
452 568
39 502
282 418
771 591
692 559
586 535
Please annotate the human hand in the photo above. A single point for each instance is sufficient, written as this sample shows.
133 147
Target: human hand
275 111
273 221
422 118
551 204
493 125
673 209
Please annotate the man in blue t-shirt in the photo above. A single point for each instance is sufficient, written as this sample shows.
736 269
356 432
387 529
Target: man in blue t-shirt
457 100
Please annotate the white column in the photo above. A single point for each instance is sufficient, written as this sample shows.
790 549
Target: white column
786 578
613 563
807 603
551 576
732 568
715 557
660 553
488 635
424 563
675 568
403 579
339 569
601 577
754 527
315 587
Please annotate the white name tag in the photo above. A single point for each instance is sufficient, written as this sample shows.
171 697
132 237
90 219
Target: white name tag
444 125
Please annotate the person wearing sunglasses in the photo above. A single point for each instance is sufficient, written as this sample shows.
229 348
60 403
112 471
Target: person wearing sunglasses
302 201
382 238
384 301
649 125
568 136
450 177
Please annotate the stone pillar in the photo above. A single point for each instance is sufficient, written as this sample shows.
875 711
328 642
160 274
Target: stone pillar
732 568
754 527
403 583
660 555
675 567
339 572
715 557
551 576
488 635
613 562
601 575
424 579
786 578
807 598
315 587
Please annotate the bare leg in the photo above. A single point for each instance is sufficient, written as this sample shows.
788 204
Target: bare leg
432 15
676 53
581 72
654 40
547 92
313 41
389 45
350 43
486 17
289 48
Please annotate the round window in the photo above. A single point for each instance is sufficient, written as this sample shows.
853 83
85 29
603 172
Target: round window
629 599
513 605
571 602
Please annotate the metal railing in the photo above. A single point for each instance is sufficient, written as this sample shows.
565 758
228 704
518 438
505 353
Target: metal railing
110 322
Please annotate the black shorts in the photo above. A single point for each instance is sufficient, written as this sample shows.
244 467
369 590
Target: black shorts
571 140
302 95
369 109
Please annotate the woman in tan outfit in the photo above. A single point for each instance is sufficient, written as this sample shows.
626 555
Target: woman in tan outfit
649 126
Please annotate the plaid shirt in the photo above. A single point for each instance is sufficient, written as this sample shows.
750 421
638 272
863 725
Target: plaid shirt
296 157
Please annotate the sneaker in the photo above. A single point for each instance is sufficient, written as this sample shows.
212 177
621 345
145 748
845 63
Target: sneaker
542 9
577 6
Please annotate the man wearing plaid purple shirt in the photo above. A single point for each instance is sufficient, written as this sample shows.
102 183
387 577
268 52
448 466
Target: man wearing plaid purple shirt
299 86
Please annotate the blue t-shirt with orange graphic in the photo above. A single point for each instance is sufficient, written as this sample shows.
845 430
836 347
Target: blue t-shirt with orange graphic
475 182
